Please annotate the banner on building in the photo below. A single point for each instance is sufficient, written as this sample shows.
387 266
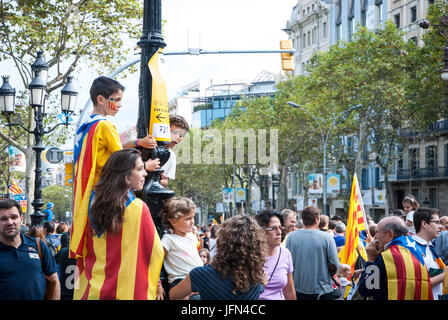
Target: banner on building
315 183
227 195
240 194
16 160
333 183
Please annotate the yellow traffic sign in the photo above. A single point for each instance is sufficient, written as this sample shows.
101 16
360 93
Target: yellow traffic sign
159 122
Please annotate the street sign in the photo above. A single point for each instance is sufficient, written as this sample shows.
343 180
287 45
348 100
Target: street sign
22 200
54 155
159 122
68 174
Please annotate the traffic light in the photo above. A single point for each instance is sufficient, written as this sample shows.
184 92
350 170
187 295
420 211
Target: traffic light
287 57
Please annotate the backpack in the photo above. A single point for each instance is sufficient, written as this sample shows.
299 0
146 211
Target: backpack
53 245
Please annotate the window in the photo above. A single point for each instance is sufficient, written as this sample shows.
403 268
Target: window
364 13
379 6
397 20
446 156
431 159
415 40
413 16
303 13
309 38
363 18
364 179
413 161
378 184
314 35
351 28
304 40
433 197
324 30
312 7
338 32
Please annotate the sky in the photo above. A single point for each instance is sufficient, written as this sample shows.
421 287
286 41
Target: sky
210 25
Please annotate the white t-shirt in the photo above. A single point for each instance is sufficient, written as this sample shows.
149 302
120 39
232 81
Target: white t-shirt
170 166
182 255
430 263
212 247
410 217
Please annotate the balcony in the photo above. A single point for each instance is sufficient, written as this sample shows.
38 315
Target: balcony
423 173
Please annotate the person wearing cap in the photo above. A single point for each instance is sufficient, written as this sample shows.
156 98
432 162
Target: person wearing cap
48 212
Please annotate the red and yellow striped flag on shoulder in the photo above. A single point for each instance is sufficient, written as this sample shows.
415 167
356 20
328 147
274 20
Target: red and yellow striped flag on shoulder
14 187
356 222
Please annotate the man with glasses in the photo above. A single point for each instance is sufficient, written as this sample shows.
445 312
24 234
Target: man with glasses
428 227
315 257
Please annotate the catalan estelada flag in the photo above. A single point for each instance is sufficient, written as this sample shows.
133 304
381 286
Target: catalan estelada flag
407 275
96 139
14 188
356 222
217 221
122 266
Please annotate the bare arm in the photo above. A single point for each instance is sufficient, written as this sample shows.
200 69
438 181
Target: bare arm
289 291
57 289
181 290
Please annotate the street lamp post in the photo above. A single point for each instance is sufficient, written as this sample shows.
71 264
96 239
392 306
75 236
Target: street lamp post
153 193
324 137
38 97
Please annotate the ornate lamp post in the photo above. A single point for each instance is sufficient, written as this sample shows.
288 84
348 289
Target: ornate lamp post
38 97
154 194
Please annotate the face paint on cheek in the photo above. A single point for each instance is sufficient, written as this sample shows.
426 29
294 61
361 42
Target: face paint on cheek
113 105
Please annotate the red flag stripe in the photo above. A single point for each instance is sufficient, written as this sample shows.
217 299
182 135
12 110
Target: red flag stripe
89 263
113 262
87 160
144 256
401 272
418 278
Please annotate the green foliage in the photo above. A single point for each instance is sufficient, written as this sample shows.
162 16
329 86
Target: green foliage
96 32
427 92
61 198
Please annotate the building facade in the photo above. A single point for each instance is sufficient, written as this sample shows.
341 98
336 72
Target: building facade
309 29
423 169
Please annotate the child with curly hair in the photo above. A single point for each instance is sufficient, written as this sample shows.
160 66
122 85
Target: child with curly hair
236 272
181 253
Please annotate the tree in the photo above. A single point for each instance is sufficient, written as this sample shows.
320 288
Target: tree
427 92
297 141
61 197
93 31
371 70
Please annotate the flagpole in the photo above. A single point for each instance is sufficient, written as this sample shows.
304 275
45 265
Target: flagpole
358 191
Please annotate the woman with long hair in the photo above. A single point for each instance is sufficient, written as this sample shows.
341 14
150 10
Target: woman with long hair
123 254
236 272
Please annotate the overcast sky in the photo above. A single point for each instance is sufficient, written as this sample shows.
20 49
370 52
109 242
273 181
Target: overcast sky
210 25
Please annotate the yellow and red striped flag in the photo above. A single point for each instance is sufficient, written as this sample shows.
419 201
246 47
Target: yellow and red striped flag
356 222
14 188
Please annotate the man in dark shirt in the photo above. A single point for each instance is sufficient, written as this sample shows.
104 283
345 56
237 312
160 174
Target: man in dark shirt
22 275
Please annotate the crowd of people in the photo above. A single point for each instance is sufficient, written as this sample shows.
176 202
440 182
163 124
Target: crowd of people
113 250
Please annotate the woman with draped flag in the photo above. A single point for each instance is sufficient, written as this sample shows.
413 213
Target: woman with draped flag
123 254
